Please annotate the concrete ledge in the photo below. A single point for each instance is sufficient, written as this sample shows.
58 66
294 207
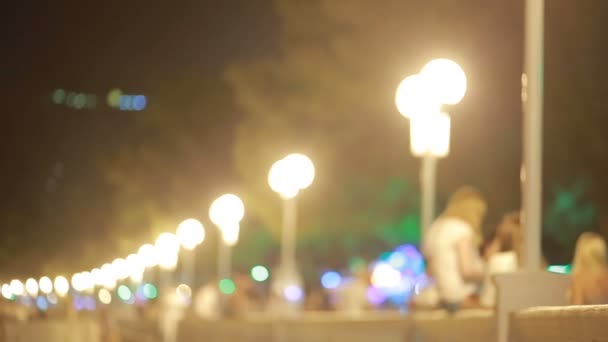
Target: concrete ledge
568 323
466 325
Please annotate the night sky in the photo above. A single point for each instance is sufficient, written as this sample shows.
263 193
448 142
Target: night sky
142 49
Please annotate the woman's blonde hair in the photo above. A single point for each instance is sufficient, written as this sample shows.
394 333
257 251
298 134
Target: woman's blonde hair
590 254
468 205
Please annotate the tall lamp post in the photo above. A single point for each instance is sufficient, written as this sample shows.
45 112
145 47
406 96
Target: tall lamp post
287 177
226 212
190 234
420 98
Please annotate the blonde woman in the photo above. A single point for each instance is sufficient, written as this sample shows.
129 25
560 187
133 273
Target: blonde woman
589 271
450 247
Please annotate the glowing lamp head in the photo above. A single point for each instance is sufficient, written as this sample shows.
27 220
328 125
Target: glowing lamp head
226 210
17 287
280 181
190 233
46 285
447 79
31 287
230 233
302 169
414 97
148 255
61 285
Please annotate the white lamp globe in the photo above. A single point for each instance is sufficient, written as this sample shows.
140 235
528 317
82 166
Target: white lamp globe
301 168
447 80
226 209
414 97
279 180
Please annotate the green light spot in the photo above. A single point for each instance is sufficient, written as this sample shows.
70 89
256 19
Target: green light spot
227 286
124 293
58 96
150 291
563 269
114 98
80 101
259 273
70 99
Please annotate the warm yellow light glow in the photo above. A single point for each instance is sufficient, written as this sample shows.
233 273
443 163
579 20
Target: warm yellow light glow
31 287
87 281
230 233
302 170
414 97
17 287
280 181
167 242
97 276
184 292
46 285
291 174
105 297
147 253
120 269
226 209
7 292
168 260
136 267
446 79
77 282
190 233
108 277
430 134
62 287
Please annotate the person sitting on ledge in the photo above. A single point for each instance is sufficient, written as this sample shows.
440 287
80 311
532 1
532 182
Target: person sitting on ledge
589 271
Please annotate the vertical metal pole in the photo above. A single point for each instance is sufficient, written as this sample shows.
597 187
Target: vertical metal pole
532 98
288 252
188 268
428 173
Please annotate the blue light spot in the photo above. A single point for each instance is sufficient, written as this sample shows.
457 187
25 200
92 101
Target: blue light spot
126 102
42 304
331 280
139 102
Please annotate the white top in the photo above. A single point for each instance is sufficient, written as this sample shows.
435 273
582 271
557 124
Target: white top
504 262
440 245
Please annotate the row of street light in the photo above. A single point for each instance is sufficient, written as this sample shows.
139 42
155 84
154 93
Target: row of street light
287 177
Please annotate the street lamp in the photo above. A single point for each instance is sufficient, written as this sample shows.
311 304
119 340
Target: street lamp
288 177
190 234
226 212
420 98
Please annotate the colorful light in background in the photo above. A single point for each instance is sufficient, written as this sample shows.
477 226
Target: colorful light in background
562 269
396 275
184 293
116 99
259 273
293 293
124 293
150 291
227 286
75 100
105 297
42 304
331 280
